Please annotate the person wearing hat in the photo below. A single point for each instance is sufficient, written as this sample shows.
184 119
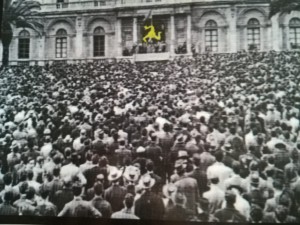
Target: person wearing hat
199 174
14 157
122 154
187 185
141 159
115 192
149 205
229 213
99 203
166 141
281 156
78 207
154 153
98 146
64 195
168 191
178 212
127 212
206 157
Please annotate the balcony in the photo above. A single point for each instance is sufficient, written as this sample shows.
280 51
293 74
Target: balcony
106 4
109 4
73 6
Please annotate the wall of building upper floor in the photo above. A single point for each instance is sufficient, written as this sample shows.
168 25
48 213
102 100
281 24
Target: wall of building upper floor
75 5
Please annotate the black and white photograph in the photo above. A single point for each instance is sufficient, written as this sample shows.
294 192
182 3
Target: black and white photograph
150 110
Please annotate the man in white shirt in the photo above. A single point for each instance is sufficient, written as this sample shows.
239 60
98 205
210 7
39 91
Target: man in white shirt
219 170
72 170
215 195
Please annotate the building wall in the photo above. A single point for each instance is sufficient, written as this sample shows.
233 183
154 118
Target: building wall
119 28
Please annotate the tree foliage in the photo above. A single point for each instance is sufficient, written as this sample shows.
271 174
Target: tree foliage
19 14
284 6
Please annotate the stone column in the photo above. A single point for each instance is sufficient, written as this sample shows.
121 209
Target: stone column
172 44
269 37
276 33
41 51
285 39
232 32
189 34
134 30
79 38
119 36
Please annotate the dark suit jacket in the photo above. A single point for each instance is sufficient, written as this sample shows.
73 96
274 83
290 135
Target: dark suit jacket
200 176
149 206
102 206
8 210
115 196
229 215
90 175
62 197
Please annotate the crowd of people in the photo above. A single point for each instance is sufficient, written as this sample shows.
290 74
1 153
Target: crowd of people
212 138
144 48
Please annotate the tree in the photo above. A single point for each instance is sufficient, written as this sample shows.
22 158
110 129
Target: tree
284 6
20 14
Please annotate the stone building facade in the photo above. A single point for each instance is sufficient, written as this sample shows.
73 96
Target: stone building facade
84 30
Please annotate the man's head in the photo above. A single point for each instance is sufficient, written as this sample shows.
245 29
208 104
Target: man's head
44 192
230 197
8 196
98 188
219 156
76 188
128 200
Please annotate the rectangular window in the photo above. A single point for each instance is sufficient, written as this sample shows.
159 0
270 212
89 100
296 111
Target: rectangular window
61 47
211 40
99 46
253 37
295 37
24 46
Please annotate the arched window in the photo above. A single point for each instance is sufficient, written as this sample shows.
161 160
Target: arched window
211 36
61 42
295 33
253 34
24 45
99 42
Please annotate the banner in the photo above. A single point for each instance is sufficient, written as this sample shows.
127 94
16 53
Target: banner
152 29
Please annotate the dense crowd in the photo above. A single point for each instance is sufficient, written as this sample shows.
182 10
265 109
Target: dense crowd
210 138
144 48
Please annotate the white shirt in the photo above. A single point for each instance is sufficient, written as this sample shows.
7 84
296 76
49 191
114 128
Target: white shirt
71 170
46 149
215 197
218 169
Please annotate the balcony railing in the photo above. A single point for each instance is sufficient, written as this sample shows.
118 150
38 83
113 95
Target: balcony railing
70 6
106 4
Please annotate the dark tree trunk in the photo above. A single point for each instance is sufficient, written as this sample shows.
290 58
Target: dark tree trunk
5 55
6 40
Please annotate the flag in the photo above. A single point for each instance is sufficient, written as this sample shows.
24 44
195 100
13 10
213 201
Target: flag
149 16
